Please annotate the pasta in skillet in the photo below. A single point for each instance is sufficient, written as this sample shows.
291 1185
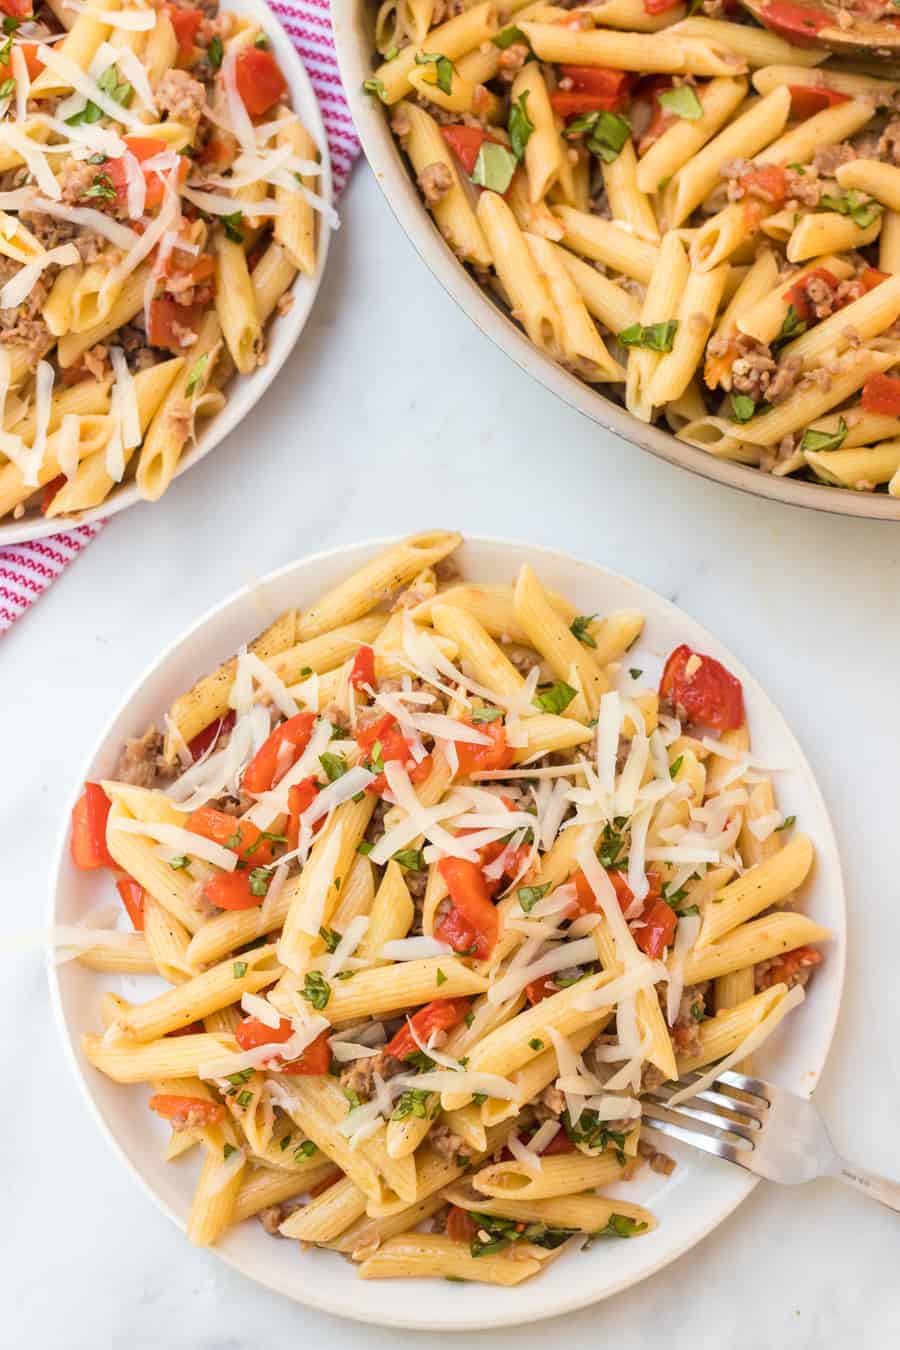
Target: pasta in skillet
697 215
158 201
439 888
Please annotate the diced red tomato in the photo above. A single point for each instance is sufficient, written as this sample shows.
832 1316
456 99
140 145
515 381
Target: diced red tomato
454 930
540 989
657 919
497 755
194 1110
586 902
798 296
315 1059
260 82
393 746
170 323
219 152
806 100
300 796
142 147
659 6
51 488
89 817
872 277
659 922
205 738
33 64
881 395
231 890
439 1015
241 836
16 9
702 690
278 753
471 899
132 896
784 968
560 1143
465 142
593 89
797 23
461 1227
186 22
363 668
768 182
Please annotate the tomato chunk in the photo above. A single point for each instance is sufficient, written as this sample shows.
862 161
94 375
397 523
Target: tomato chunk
231 890
142 147
278 753
872 277
881 394
560 1143
251 1033
497 755
33 64
768 182
171 324
795 22
439 1015
260 82
592 89
465 142
363 669
241 836
132 895
461 1227
658 929
16 9
657 920
186 22
191 1111
300 796
806 100
702 690
539 989
89 817
787 967
659 6
471 898
209 735
798 294
383 742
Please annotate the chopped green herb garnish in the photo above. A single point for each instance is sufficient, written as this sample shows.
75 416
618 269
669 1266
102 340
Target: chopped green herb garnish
259 880
555 698
102 185
239 969
244 1098
579 628
335 766
443 69
682 101
214 52
197 371
675 766
635 673
742 407
316 989
374 86
180 863
620 1226
520 125
792 327
863 211
413 859
507 36
440 978
486 714
530 895
228 1150
330 938
494 167
594 1134
304 1150
365 848
612 845
414 1102
392 53
536 1044
262 42
657 337
788 822
231 224
239 1078
605 133
825 440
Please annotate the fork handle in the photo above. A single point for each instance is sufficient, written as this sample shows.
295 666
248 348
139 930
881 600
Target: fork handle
870 1183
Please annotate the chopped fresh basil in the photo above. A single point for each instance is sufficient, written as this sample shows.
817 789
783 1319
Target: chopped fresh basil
825 440
316 990
109 83
259 880
440 978
579 628
262 42
413 1102
180 863
530 895
284 1142
792 327
244 1098
413 859
507 36
536 1044
594 1134
486 714
228 1150
687 911
861 210
330 938
365 848
239 1078
335 766
555 698
658 337
239 969
443 69
10 24
374 86
102 184
231 224
742 407
612 844
494 167
8 87
353 1098
196 373
392 53
620 1226
469 1018
675 766
789 821
214 52
605 133
520 125
635 673
375 761
304 1150
682 101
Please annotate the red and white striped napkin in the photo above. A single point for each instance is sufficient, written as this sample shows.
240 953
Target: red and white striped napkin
26 570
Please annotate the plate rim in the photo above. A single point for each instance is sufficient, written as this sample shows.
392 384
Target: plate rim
305 291
745 1183
390 173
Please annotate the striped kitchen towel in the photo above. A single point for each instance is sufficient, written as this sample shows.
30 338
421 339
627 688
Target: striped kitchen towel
26 570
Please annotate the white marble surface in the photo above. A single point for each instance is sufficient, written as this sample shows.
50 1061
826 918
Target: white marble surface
392 385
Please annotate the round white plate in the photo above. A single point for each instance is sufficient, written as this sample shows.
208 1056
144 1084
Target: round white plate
702 1190
243 391
353 21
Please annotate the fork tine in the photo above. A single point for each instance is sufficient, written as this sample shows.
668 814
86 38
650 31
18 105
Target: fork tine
741 1108
756 1086
718 1122
695 1138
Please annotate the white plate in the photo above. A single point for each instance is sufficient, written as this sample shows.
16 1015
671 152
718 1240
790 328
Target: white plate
702 1190
243 391
352 21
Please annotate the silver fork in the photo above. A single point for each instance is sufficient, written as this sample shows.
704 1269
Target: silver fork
764 1128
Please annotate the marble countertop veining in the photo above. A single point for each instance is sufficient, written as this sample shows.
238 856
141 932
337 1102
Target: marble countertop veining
395 413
